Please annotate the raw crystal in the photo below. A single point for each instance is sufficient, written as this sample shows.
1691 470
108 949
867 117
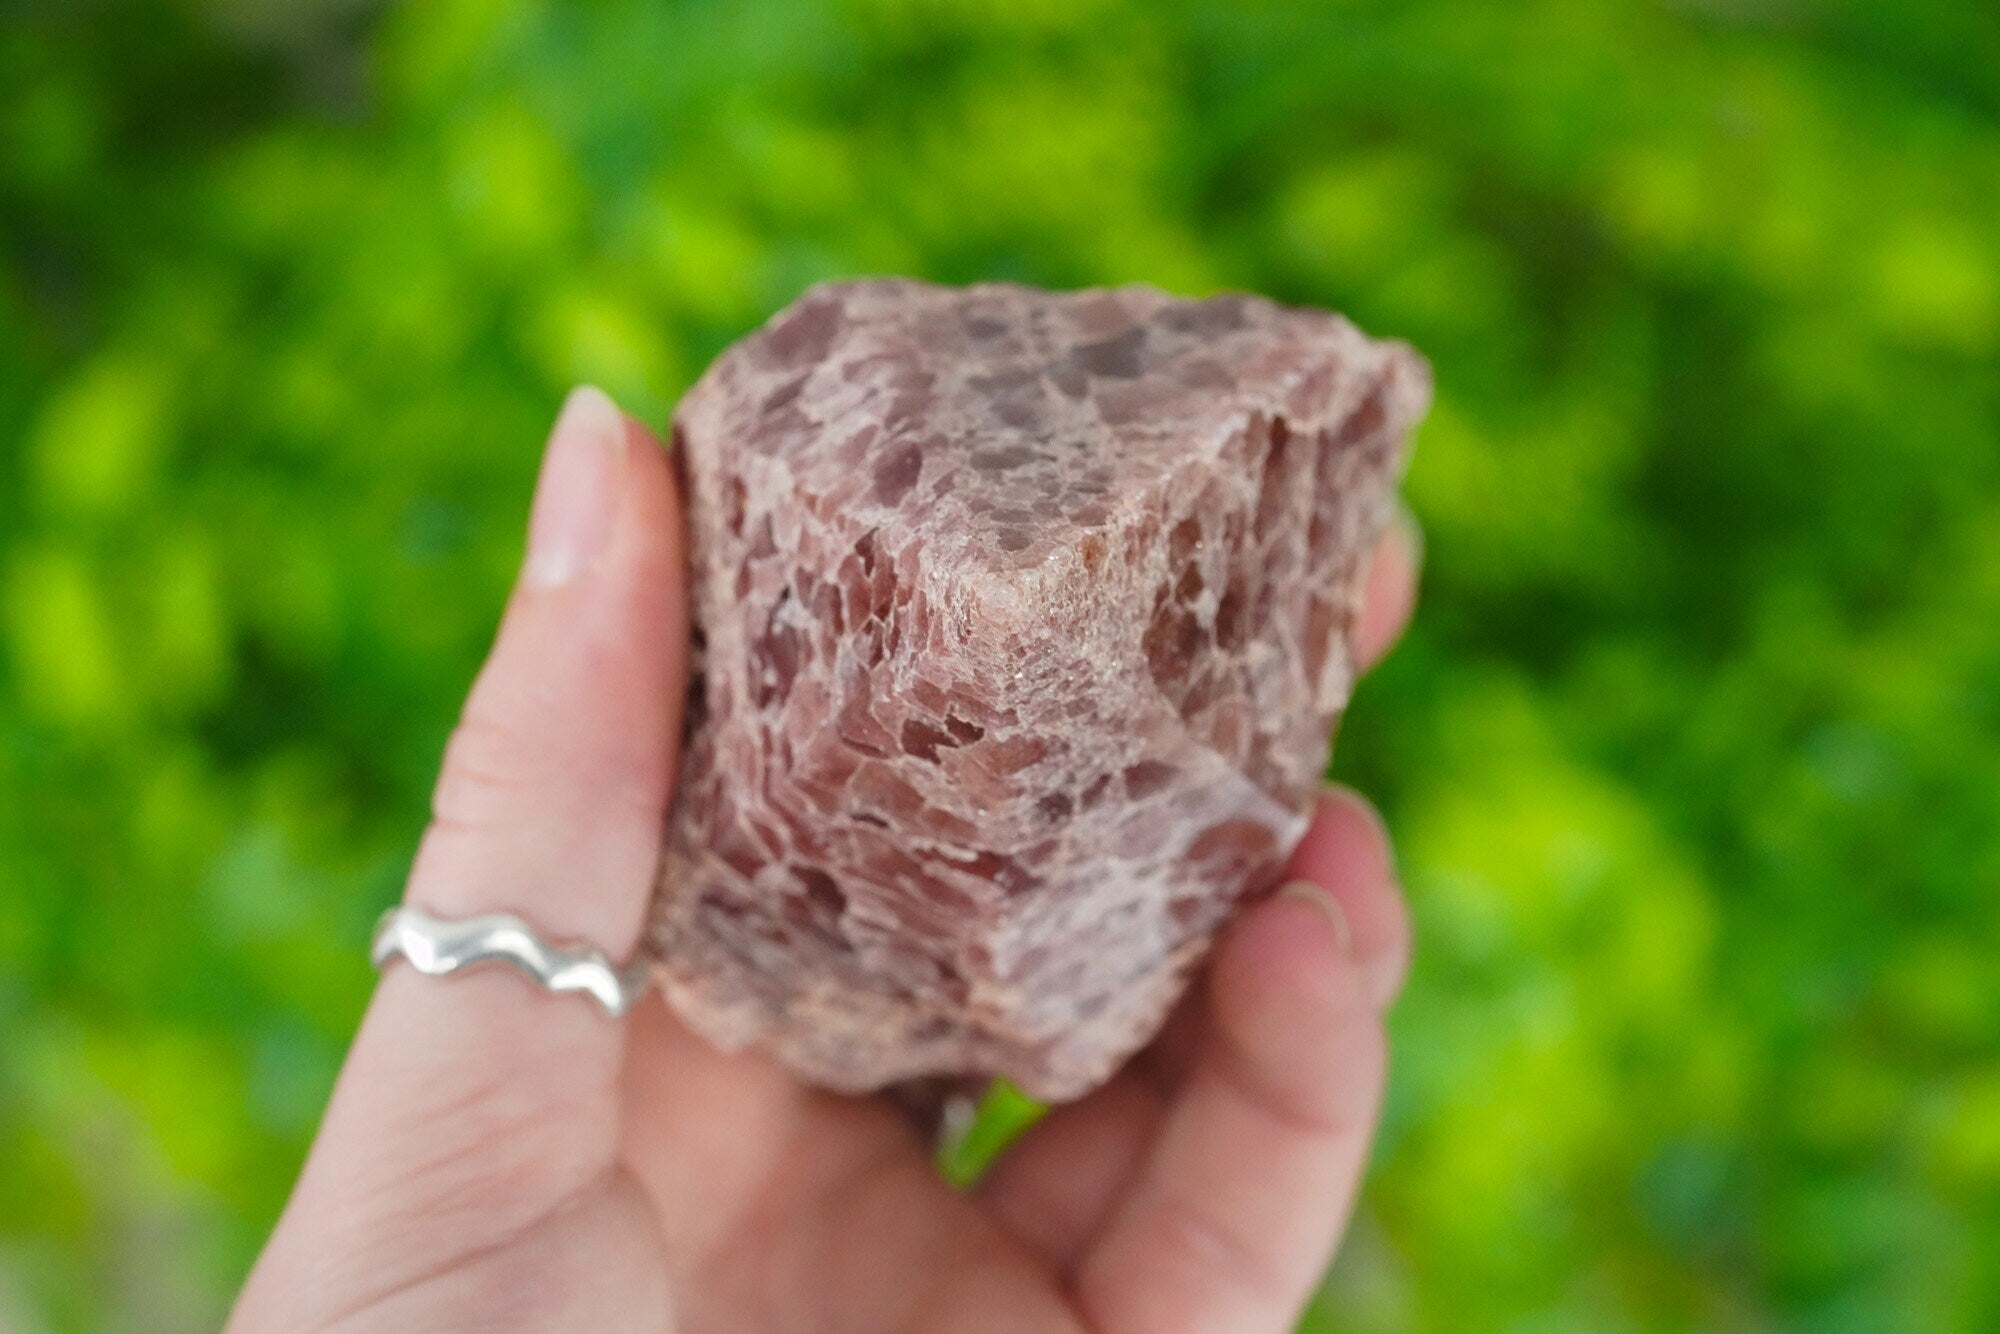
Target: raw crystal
1025 619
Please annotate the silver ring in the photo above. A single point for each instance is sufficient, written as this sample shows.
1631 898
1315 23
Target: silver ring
436 947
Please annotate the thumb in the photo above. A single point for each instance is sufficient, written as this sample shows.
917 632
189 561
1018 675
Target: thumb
471 1108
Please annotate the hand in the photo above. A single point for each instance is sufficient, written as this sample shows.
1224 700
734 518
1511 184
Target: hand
497 1157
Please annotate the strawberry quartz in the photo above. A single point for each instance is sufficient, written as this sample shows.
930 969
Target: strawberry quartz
1024 622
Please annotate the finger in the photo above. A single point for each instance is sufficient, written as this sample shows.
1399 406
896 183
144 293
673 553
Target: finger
1390 594
1234 1214
1056 1186
1346 849
1168 1057
471 1106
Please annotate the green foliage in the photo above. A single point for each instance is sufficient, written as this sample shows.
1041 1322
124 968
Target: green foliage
1003 1114
1692 753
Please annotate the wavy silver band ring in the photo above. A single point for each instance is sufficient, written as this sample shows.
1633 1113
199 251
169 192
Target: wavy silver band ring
436 947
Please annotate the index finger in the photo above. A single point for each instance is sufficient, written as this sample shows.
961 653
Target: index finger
471 1106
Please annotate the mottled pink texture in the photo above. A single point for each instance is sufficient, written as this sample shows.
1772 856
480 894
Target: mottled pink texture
1026 618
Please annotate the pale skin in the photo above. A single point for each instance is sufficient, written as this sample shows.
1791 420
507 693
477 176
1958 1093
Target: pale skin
496 1157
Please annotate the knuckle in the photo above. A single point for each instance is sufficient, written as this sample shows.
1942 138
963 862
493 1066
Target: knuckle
1324 1086
497 773
1222 1260
487 775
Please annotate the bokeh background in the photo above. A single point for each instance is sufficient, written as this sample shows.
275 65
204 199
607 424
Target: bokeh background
1693 754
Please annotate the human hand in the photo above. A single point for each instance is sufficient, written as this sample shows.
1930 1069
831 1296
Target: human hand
494 1156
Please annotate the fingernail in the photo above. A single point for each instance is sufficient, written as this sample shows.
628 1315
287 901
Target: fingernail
1307 891
576 497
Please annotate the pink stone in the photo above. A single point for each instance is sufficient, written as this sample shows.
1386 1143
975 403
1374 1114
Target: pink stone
1025 620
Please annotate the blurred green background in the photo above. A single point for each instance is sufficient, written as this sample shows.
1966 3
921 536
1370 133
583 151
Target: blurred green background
1694 752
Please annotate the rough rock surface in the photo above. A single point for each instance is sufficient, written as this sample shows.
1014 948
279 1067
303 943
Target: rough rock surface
1026 618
